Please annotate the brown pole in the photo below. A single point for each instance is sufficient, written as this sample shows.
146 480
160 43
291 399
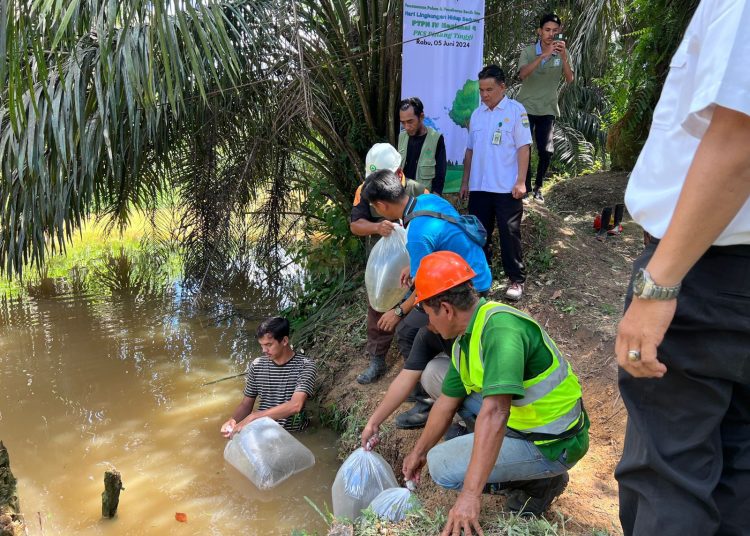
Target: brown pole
111 493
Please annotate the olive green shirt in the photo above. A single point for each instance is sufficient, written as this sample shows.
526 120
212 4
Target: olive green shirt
539 90
513 351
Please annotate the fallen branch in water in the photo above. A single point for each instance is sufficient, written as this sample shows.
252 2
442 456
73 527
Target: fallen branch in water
224 379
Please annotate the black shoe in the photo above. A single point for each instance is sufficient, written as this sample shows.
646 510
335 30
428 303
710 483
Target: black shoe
538 197
455 430
373 372
533 497
414 418
418 393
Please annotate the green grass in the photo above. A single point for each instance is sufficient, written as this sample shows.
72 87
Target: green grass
100 259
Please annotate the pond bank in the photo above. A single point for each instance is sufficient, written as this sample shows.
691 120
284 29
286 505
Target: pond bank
575 289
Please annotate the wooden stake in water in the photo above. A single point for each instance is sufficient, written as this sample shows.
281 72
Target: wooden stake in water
111 493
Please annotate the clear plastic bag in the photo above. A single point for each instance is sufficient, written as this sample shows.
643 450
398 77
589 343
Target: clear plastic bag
394 503
267 454
383 273
359 480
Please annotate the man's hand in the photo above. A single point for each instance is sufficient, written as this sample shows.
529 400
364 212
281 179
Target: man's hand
385 227
228 427
463 193
412 466
464 515
406 280
244 422
519 190
388 321
642 329
559 47
370 436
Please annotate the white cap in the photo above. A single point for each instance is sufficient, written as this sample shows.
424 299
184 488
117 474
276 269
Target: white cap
382 156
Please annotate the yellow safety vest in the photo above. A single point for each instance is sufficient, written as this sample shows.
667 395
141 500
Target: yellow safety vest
426 163
552 403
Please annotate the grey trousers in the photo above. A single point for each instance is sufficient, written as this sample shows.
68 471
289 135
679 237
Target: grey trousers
685 468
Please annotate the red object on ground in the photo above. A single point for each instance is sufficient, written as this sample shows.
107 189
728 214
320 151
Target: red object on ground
182 518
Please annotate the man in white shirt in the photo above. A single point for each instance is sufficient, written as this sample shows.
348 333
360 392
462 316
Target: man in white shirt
685 376
495 164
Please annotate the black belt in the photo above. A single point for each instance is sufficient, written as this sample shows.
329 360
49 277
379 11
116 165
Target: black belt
536 436
735 250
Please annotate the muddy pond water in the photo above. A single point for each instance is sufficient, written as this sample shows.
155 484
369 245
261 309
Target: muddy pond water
88 383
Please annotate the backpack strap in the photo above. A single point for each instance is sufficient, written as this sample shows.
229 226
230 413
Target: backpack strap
432 213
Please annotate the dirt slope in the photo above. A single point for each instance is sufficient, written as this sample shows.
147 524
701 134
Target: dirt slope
575 289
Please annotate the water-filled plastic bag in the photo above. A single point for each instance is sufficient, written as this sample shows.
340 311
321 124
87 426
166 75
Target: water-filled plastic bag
267 454
394 503
383 272
359 480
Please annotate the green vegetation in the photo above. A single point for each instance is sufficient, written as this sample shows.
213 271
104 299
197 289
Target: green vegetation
256 124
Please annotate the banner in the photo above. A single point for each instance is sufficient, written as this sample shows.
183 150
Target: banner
442 69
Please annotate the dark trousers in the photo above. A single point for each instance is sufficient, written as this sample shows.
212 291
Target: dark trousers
378 341
408 328
685 467
542 127
488 207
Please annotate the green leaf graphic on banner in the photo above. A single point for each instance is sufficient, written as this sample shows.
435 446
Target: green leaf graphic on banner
466 101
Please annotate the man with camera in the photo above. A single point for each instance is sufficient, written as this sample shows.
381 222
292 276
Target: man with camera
541 66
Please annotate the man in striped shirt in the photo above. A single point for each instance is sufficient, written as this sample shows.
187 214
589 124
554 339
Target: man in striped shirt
281 378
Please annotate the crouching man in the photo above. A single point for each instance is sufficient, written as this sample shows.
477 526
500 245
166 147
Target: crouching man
282 378
530 423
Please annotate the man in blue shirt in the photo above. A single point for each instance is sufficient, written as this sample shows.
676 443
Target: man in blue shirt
424 235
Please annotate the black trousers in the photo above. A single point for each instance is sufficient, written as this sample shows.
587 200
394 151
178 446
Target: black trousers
685 467
507 211
542 127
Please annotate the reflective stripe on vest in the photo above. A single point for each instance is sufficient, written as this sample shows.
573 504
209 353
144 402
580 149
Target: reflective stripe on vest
552 400
426 163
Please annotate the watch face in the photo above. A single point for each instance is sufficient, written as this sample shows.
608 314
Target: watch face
639 282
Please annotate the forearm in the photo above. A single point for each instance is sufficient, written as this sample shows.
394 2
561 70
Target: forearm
408 303
716 187
567 69
440 418
362 227
467 167
523 163
489 431
279 412
397 392
243 410
529 68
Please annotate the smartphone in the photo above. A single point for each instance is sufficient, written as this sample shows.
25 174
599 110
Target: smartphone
558 37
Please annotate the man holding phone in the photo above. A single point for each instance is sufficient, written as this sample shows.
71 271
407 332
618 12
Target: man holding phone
541 66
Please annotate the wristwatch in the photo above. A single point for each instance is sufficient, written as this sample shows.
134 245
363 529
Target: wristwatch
645 288
399 312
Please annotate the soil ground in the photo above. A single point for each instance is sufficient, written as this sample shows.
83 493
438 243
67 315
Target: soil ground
575 288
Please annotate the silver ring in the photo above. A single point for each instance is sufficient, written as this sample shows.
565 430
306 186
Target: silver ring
634 355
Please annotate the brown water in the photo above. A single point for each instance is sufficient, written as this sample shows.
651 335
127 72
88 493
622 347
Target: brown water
88 384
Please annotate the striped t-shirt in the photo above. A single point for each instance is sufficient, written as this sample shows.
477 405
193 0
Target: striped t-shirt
275 384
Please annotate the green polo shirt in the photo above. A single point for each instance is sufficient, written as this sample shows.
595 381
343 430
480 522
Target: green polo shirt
514 351
539 90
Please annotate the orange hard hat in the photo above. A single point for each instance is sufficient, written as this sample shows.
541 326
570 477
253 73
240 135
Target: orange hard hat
439 272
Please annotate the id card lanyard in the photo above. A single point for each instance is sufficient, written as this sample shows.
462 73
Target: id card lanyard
497 136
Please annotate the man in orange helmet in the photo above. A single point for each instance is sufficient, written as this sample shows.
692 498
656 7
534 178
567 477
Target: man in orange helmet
530 423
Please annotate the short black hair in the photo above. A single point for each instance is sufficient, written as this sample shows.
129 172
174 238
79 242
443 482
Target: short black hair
492 71
275 326
382 185
549 17
463 297
412 102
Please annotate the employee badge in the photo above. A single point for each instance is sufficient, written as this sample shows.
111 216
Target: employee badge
497 137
